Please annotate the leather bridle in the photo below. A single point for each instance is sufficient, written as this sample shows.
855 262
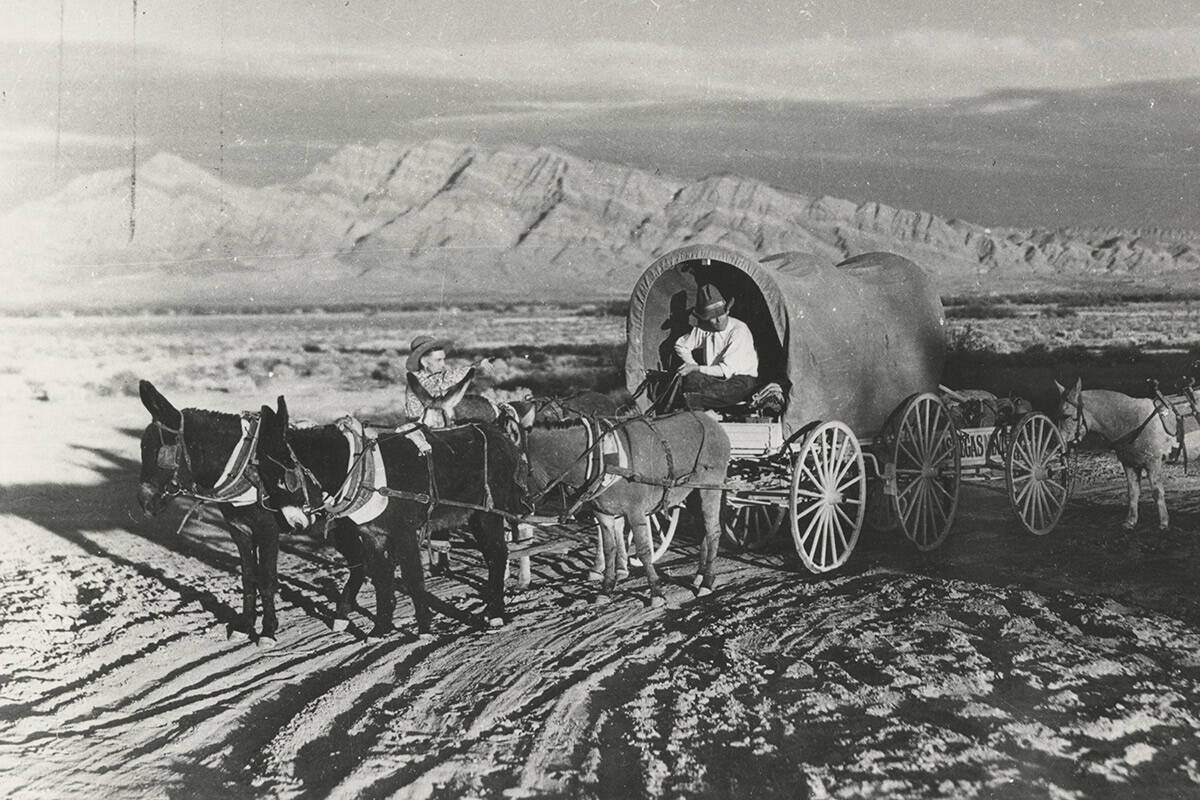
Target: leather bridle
1081 426
174 456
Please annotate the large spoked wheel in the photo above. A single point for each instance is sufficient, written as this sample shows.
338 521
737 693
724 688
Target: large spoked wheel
828 497
925 471
748 523
1038 473
662 531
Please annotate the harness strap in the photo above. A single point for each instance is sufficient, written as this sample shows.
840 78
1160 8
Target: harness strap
666 448
1178 432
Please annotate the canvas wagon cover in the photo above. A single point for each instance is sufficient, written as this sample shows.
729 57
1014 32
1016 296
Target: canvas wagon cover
849 341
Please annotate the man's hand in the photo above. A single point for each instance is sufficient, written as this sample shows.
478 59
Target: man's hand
688 369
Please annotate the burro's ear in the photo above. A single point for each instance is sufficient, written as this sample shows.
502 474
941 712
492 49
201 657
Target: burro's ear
281 404
1058 387
1077 388
414 386
454 396
159 407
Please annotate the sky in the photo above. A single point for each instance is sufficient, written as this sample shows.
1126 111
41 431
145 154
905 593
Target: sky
895 100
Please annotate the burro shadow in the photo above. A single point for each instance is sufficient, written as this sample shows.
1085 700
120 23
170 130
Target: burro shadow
82 513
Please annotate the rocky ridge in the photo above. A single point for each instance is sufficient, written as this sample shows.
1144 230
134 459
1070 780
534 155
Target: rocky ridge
447 219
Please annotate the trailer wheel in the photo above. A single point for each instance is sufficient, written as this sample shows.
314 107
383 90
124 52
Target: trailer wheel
747 523
828 496
1038 473
923 473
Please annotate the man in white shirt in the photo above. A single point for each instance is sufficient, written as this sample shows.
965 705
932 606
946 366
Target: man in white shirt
720 364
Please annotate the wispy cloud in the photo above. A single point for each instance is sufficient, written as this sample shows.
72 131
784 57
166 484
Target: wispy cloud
911 64
28 136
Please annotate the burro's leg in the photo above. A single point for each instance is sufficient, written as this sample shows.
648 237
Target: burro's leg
610 529
706 568
490 533
1154 474
244 539
412 571
621 551
346 538
379 563
268 580
596 573
645 551
1133 493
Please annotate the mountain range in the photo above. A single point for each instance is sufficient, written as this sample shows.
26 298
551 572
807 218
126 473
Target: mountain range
446 220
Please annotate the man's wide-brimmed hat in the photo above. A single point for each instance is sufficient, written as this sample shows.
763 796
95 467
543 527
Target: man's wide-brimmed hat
710 304
420 346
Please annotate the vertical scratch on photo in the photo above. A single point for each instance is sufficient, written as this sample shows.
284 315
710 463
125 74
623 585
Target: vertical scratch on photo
62 12
133 134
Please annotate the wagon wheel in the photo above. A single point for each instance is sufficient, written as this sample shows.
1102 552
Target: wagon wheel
748 523
662 531
925 471
1038 473
828 497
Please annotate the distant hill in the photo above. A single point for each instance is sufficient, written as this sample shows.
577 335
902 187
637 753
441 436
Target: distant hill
440 219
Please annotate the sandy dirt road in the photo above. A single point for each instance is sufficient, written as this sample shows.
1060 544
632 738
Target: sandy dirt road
999 666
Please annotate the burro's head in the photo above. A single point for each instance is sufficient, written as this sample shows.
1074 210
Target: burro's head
164 460
1069 413
283 478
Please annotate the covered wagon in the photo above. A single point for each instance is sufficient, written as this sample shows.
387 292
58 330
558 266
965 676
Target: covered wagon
856 351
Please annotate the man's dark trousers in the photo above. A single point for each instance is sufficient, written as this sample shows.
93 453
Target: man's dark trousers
702 391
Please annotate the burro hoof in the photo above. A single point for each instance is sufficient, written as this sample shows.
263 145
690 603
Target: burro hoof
267 642
697 580
1128 526
602 599
496 622
593 575
425 637
339 624
703 591
238 635
658 601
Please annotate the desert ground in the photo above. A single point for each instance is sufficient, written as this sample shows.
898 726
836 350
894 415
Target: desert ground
1000 665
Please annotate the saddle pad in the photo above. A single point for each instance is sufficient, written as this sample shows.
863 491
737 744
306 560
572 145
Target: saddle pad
615 454
373 503
357 498
233 481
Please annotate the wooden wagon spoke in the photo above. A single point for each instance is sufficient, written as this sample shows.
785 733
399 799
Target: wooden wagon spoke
911 456
808 509
1022 494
